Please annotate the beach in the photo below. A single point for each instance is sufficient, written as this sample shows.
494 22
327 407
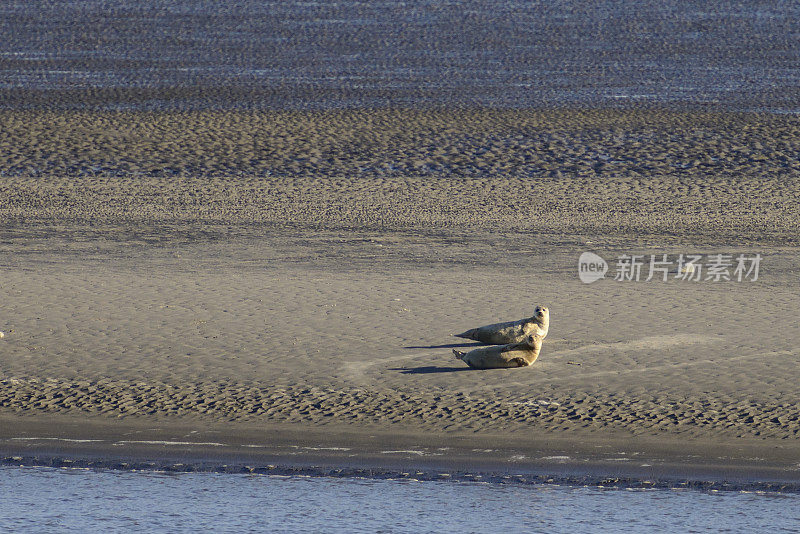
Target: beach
321 300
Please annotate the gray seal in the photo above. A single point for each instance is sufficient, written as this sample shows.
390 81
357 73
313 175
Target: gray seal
512 331
503 356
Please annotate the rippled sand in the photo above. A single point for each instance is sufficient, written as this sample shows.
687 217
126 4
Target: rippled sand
683 177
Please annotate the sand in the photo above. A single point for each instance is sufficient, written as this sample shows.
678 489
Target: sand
255 291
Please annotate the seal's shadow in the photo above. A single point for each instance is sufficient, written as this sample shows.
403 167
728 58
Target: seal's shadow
429 369
448 346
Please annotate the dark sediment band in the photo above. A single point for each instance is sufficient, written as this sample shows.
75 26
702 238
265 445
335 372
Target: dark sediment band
395 474
596 144
690 177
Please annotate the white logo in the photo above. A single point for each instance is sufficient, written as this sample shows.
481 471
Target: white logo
689 268
591 267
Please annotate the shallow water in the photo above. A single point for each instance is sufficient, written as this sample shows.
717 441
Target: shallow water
512 53
57 500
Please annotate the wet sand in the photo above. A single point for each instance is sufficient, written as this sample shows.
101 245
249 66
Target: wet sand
179 446
321 55
322 298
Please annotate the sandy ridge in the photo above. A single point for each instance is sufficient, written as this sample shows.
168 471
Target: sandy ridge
439 411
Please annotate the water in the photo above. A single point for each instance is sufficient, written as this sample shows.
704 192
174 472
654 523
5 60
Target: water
58 500
154 54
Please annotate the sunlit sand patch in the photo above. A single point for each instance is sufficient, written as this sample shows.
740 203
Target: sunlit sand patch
647 343
356 370
722 360
412 451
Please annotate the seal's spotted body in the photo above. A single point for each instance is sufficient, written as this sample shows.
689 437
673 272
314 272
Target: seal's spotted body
505 356
512 331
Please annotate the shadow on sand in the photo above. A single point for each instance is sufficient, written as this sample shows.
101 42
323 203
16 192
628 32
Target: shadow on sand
448 346
429 369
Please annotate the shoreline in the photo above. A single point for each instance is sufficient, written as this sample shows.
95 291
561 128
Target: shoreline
571 458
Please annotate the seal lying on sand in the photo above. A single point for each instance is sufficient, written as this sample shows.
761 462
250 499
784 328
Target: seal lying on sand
513 331
498 357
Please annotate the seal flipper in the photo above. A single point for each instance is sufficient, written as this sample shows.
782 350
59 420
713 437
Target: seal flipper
466 335
460 355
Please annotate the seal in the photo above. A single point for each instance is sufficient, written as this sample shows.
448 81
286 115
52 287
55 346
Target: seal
512 331
503 356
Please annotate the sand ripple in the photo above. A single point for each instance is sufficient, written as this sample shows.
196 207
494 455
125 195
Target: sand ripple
446 411
670 173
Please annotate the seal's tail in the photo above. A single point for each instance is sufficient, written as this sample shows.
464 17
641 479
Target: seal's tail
459 354
466 335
